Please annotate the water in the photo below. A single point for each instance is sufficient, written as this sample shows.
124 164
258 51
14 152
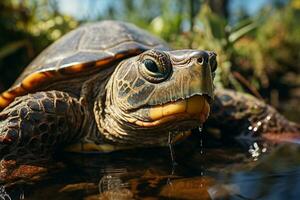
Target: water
170 144
201 172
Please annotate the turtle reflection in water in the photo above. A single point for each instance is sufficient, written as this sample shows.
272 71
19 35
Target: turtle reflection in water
110 86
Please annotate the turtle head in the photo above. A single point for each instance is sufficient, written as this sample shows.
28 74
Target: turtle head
157 93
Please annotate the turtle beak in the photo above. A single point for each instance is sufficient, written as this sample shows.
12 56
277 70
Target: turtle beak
200 72
201 82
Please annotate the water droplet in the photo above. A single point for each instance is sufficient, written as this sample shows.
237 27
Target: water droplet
22 195
255 151
200 129
259 123
171 148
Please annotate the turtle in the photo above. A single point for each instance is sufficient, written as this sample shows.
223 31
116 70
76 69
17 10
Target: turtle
110 85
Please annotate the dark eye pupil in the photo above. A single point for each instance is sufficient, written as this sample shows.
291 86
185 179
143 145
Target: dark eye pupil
151 65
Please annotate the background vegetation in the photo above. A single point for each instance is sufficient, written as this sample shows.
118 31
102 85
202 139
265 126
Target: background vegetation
257 53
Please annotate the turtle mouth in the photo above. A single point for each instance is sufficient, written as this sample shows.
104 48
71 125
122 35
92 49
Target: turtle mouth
194 108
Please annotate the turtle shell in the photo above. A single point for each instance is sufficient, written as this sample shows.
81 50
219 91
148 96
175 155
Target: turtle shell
87 49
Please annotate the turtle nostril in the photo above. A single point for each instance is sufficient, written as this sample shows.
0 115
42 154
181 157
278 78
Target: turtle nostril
200 60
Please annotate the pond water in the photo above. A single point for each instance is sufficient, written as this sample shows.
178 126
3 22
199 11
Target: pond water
200 172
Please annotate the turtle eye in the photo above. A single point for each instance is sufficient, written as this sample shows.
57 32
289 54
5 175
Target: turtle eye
155 66
151 65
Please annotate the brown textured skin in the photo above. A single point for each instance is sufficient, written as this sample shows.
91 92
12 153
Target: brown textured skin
188 78
32 127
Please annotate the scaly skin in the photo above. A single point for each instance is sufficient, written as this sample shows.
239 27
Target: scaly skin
124 115
32 128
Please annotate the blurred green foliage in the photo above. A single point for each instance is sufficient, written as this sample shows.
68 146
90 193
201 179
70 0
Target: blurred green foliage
257 54
214 33
27 27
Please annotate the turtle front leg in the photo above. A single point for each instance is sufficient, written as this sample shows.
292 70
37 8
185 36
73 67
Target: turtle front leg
247 119
32 128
